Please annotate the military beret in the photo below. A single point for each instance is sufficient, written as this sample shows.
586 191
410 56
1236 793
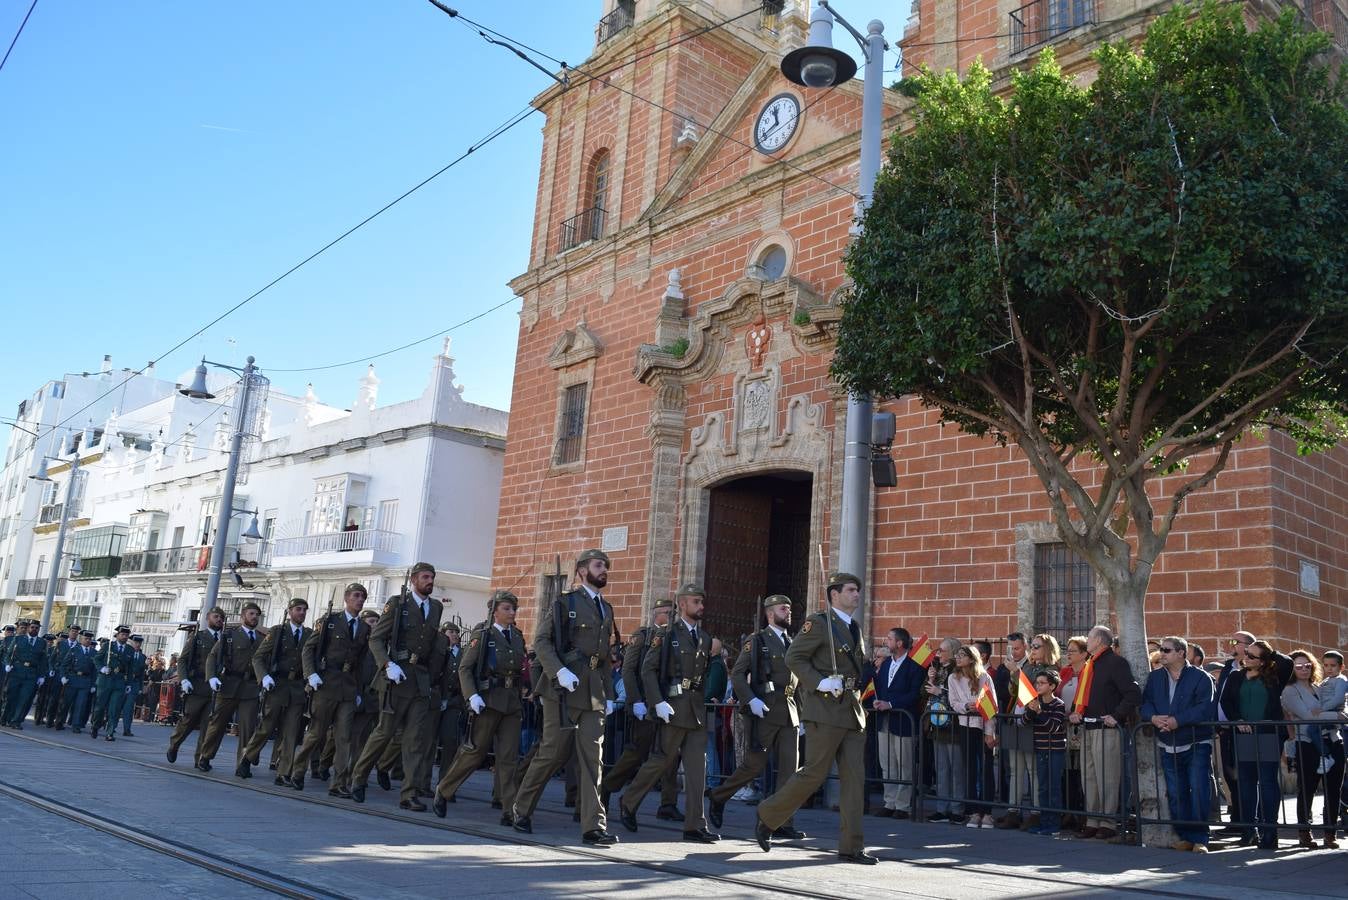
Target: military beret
123 628
369 613
838 579
662 603
251 605
776 600
592 554
423 567
297 601
356 586
217 611
137 638
692 590
451 626
86 633
503 597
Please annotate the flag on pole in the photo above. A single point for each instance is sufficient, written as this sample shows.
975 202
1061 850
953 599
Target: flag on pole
1083 695
1025 691
986 703
869 692
921 652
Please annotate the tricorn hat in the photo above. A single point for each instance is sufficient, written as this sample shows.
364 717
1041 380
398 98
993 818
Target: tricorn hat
123 628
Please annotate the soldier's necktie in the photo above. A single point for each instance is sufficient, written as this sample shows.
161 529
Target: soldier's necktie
599 604
425 611
855 632
786 641
352 623
297 635
693 632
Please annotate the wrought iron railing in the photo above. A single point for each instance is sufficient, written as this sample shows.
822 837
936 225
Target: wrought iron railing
190 559
338 542
1039 22
37 587
586 225
615 22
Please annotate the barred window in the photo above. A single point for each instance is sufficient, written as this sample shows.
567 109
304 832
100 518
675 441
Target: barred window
1064 592
572 430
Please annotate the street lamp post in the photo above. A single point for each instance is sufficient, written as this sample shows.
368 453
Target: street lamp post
819 65
49 601
198 391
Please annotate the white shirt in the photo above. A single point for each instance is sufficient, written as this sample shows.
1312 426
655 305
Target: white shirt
780 632
847 620
895 662
423 602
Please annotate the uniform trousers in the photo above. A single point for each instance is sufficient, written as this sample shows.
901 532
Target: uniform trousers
779 739
632 758
289 718
691 744
243 710
584 745
409 714
327 711
493 731
195 708
825 745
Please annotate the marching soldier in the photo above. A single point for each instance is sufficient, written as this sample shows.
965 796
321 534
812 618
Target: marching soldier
332 659
135 674
55 702
5 642
113 663
768 695
572 644
366 706
77 675
234 688
401 643
192 680
446 742
830 674
43 695
490 676
26 665
673 674
279 666
640 729
428 736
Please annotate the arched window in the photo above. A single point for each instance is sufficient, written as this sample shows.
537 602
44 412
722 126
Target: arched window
597 195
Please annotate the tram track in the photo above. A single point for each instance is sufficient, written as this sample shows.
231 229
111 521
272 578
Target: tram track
294 888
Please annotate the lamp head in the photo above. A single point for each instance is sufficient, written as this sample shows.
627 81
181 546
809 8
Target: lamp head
251 533
197 390
41 471
76 568
818 64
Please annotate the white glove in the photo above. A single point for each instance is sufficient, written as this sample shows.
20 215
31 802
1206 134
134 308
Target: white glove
105 670
215 684
8 667
187 686
831 685
477 703
444 705
757 707
128 690
314 681
268 682
567 679
800 730
664 711
40 680
639 710
91 690
65 680
394 672
358 701
609 707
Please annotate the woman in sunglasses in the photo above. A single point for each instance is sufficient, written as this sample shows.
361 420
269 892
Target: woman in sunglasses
1254 695
1316 756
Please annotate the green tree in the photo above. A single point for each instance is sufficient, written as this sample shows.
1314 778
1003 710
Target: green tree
1132 274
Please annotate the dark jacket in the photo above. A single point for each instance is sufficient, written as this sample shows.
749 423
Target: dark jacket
1193 702
1230 700
1113 690
905 694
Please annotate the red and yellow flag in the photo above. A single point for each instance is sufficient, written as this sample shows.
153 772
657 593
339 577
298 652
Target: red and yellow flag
986 703
869 692
921 652
1025 691
1083 695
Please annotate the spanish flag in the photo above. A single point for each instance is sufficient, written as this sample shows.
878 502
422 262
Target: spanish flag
1083 695
869 692
921 652
986 703
1025 691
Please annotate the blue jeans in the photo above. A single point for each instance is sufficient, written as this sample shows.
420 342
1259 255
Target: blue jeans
1260 797
1050 765
1188 788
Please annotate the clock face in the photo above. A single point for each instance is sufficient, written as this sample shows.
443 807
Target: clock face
777 123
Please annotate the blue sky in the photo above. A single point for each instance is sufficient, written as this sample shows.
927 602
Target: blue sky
164 160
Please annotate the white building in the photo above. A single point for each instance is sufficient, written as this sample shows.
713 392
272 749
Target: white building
341 496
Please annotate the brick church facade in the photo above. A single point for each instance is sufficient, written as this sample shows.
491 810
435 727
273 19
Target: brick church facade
672 401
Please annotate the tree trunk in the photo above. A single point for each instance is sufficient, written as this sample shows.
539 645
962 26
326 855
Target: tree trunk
1148 785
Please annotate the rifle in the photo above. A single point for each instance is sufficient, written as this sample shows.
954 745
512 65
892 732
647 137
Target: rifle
755 661
277 633
560 642
479 676
386 704
321 660
828 621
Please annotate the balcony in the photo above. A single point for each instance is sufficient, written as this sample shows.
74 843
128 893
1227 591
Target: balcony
98 567
37 587
366 547
584 226
50 514
1041 21
173 560
616 22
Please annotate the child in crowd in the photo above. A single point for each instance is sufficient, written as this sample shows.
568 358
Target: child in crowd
1048 714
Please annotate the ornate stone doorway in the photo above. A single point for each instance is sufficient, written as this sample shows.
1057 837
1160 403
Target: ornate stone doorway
758 543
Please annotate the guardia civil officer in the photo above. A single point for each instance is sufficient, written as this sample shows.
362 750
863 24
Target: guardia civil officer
26 665
77 674
135 676
830 676
114 661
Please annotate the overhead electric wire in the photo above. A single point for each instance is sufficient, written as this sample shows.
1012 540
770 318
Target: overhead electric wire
17 33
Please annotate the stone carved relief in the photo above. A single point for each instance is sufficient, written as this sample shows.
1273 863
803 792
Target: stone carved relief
757 409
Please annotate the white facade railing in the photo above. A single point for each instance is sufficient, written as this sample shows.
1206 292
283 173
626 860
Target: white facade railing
338 542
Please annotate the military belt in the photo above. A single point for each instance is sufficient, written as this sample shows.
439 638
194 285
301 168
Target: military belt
595 661
506 681
850 682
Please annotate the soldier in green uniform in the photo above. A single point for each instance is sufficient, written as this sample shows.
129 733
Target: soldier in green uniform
135 675
49 712
331 667
234 688
366 714
402 642
26 665
573 645
110 689
830 675
491 677
192 680
77 677
640 730
278 664
768 701
673 674
446 742
428 736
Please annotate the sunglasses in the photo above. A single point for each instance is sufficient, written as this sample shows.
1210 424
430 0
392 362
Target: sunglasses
1302 666
1234 643
1036 646
1169 649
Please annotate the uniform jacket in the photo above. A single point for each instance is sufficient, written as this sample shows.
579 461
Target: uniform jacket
135 670
637 646
79 667
28 657
117 659
338 664
57 654
415 641
453 690
192 661
809 659
675 670
288 669
231 660
586 634
500 661
905 692
775 684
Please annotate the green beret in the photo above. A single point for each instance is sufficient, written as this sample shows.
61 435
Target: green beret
692 590
776 600
498 597
217 610
662 603
422 567
838 579
298 601
251 605
592 554
450 626
357 586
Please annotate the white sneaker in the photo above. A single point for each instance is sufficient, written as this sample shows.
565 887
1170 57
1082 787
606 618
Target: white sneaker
1326 763
989 822
973 822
